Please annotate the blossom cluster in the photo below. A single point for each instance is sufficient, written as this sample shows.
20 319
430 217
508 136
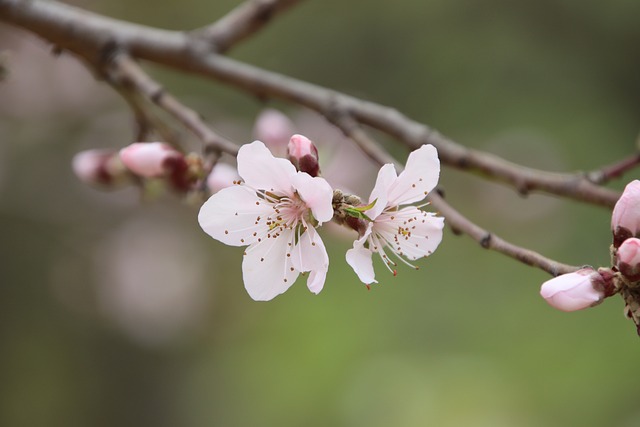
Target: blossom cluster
278 205
587 287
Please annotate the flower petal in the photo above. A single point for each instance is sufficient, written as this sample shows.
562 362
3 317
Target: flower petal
310 255
360 259
386 177
260 170
267 271
317 195
419 177
233 215
410 232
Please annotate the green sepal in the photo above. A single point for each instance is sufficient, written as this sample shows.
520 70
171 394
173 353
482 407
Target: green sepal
359 211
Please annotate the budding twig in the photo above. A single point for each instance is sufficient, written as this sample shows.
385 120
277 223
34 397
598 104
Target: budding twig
89 35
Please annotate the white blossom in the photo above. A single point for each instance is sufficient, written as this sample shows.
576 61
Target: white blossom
394 225
274 212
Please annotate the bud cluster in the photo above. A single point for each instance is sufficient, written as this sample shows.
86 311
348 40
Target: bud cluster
588 287
144 161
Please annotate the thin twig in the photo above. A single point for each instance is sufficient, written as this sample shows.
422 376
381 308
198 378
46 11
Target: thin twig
614 170
241 22
127 69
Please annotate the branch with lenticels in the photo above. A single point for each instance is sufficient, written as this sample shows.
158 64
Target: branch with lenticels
114 47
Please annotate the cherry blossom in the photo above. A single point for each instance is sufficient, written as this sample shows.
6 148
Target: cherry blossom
303 154
222 176
628 258
101 168
574 291
274 212
406 231
149 159
625 219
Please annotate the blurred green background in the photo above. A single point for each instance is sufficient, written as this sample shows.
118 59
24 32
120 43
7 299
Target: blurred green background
119 312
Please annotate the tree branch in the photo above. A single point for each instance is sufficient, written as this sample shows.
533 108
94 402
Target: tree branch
95 37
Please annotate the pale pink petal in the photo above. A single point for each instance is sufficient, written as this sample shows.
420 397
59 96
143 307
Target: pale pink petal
260 170
317 195
360 259
310 255
419 177
274 128
386 177
233 216
410 232
222 176
316 280
267 271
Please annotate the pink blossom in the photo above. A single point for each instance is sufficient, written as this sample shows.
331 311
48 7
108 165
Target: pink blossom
574 291
274 128
222 176
625 220
628 258
274 212
303 154
99 167
89 165
408 232
149 159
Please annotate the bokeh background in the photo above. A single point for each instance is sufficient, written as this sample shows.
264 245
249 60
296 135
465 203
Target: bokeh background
121 311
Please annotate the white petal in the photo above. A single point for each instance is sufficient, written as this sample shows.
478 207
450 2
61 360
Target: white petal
260 170
410 232
316 280
386 177
231 214
317 195
359 258
310 255
419 177
267 270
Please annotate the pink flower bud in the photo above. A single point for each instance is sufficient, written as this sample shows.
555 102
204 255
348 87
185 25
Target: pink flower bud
628 259
625 221
99 167
574 291
273 128
304 155
222 176
150 159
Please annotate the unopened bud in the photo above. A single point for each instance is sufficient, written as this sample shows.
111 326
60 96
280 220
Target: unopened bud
100 167
222 176
574 291
625 220
304 155
151 159
274 129
628 259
